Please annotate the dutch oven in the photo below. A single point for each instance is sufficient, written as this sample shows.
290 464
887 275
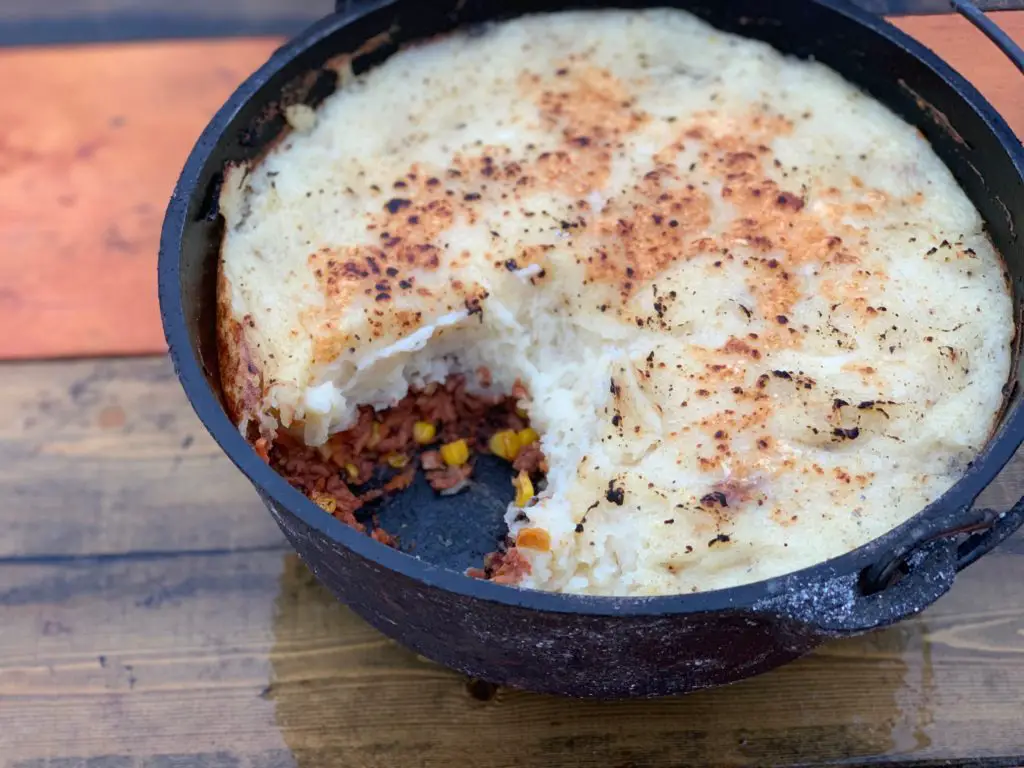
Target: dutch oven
581 645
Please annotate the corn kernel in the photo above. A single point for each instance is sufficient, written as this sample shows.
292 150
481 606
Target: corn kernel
504 444
527 437
352 471
534 538
524 488
455 454
521 412
327 503
374 436
423 432
397 460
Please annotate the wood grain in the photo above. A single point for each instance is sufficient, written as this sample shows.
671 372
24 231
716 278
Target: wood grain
110 454
91 142
246 656
85 173
173 629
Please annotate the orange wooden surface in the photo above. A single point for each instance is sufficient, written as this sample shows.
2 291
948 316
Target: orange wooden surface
91 142
92 139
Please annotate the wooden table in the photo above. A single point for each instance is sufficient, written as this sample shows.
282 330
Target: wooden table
152 615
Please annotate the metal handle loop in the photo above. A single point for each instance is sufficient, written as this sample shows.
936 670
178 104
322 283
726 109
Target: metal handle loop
991 30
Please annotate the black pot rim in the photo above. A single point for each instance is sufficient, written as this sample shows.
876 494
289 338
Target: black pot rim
189 369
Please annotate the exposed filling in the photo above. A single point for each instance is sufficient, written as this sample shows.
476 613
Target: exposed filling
437 430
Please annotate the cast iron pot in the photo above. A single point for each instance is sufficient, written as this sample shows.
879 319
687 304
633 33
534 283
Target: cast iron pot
569 644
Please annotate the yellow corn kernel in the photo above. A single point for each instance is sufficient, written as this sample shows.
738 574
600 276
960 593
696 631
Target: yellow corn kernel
327 503
374 436
352 471
524 488
423 432
527 437
521 412
455 454
534 538
397 460
504 444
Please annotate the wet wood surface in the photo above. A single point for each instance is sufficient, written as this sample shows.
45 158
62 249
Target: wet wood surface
86 172
152 615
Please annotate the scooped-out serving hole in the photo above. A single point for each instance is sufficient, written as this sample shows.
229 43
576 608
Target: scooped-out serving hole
437 430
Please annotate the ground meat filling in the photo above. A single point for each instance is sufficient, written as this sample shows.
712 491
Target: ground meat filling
435 430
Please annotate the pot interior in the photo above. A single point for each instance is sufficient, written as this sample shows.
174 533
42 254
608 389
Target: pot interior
455 532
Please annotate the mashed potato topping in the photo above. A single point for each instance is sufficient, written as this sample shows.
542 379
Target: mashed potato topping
758 322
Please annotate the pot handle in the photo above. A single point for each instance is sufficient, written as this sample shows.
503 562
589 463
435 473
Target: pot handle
913 577
991 30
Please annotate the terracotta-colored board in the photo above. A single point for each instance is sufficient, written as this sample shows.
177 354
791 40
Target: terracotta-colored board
91 141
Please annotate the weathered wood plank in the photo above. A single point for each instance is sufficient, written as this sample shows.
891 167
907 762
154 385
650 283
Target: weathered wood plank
244 659
106 456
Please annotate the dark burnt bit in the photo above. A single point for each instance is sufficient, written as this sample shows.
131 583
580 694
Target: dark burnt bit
615 495
579 528
383 296
391 272
469 197
581 141
396 204
782 375
846 434
614 388
670 521
511 265
789 201
719 539
714 499
782 320
616 420
474 305
838 403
